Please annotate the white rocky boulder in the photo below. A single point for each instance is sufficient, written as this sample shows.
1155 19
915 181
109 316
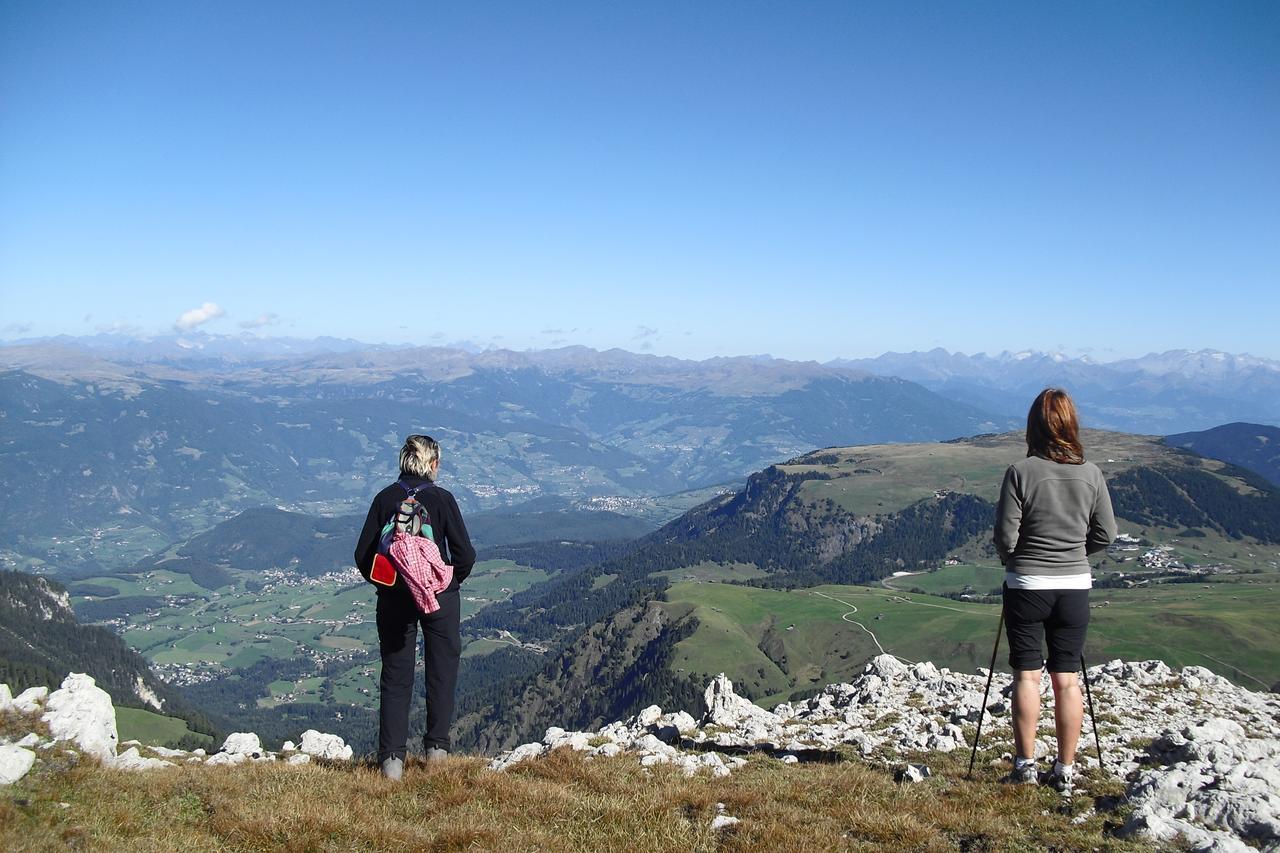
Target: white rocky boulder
1214 785
242 743
320 745
289 746
912 773
31 700
14 763
227 758
556 737
298 758
728 709
82 712
515 756
649 716
131 759
165 752
6 697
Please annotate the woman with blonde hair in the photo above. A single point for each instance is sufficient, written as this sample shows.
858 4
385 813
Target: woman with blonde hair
1054 511
399 616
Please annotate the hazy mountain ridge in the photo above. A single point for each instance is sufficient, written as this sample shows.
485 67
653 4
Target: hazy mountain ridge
1252 446
156 456
1174 391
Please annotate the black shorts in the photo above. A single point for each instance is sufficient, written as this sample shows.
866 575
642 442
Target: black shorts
1033 615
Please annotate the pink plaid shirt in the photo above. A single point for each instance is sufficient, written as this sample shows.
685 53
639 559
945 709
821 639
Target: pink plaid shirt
423 568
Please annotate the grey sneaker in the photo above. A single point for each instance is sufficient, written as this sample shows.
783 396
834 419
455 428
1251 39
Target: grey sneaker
435 754
393 769
1024 775
1060 780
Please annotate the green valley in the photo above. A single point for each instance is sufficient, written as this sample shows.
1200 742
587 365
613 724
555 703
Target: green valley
324 625
782 643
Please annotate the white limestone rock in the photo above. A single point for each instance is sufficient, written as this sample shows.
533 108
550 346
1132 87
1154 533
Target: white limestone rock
649 716
555 738
289 746
242 743
31 700
131 759
320 745
15 762
298 758
6 697
227 758
165 752
912 773
515 756
726 708
82 712
30 739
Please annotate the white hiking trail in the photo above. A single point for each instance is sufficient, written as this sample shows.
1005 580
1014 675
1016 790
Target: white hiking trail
846 618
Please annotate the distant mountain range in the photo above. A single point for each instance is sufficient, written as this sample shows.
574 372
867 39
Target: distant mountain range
152 450
1160 393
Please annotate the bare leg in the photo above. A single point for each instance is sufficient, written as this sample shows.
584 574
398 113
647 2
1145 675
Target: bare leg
1026 711
1068 713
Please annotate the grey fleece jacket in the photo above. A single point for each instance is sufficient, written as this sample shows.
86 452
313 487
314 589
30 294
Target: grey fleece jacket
1051 516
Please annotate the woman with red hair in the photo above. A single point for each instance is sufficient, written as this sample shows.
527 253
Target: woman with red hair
1054 511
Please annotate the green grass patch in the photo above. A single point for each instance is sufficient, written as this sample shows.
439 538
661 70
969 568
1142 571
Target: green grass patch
710 572
982 579
152 728
1229 627
777 643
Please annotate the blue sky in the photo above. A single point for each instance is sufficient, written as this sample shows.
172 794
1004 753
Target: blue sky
811 180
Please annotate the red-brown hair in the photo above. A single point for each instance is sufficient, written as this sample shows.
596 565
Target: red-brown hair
1053 430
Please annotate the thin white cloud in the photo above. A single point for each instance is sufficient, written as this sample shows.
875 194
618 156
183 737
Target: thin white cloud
260 321
198 316
645 332
17 328
118 328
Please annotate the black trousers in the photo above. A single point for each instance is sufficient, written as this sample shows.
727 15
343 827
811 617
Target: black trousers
1032 616
398 621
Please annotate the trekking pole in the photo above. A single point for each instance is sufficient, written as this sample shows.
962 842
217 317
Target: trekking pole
982 710
1093 718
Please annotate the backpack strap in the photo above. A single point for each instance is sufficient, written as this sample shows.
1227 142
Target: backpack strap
413 492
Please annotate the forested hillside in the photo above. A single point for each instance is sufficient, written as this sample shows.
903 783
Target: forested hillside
41 641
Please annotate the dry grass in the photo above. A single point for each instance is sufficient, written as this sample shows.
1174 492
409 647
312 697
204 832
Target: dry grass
561 802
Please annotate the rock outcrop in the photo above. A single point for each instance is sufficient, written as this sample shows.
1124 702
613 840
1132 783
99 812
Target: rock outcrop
82 720
1201 755
82 712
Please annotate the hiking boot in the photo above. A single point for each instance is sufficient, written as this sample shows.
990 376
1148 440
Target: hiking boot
1061 780
435 754
1024 775
393 769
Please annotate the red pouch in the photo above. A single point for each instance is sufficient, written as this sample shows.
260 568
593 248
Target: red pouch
383 572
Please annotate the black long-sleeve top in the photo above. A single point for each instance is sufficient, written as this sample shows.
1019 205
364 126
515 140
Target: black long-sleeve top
449 532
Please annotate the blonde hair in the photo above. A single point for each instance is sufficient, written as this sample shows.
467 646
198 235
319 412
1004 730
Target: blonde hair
1053 429
416 456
